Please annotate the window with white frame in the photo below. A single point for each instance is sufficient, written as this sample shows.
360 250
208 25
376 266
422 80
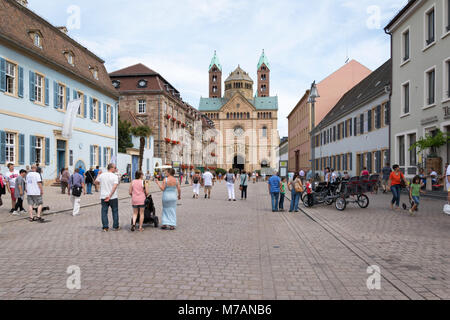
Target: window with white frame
413 152
430 26
80 95
386 114
37 40
447 79
405 98
142 106
95 109
70 58
95 155
108 114
11 78
38 150
406 45
430 86
39 88
10 146
61 97
264 132
108 156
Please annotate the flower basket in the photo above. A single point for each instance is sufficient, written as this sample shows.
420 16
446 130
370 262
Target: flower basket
167 140
183 125
174 142
173 119
178 122
168 116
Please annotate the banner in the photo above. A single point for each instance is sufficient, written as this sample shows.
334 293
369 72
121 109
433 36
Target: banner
71 115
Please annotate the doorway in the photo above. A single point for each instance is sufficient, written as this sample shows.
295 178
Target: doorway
60 155
239 163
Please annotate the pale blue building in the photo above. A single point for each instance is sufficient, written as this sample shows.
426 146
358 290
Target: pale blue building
41 70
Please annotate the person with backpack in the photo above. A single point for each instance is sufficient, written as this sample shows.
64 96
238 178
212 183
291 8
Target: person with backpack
396 182
89 180
76 188
244 185
138 193
296 188
196 179
274 184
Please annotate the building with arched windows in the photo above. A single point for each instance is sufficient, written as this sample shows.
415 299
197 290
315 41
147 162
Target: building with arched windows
246 121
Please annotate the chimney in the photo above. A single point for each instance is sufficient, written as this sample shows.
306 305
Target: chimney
63 29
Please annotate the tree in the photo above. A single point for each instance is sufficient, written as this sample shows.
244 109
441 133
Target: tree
124 136
431 142
141 132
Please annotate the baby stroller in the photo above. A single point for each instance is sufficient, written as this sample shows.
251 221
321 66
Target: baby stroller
149 213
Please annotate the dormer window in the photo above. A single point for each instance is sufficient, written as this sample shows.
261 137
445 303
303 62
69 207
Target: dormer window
36 37
116 84
37 40
94 71
70 57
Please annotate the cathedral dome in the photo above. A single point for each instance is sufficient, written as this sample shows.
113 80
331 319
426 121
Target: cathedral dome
239 74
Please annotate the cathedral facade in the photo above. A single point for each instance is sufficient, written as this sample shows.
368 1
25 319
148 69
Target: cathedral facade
246 123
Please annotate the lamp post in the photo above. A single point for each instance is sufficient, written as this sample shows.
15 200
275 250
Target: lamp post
314 93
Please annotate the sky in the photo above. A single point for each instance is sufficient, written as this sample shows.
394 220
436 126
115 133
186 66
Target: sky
304 40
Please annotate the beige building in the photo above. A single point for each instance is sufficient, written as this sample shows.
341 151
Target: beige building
247 125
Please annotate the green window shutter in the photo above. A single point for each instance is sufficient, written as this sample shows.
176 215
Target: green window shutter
105 151
2 74
32 80
75 94
47 92
112 115
91 104
85 106
32 149
92 156
104 113
2 146
99 111
369 121
20 82
47 151
55 94
99 156
21 149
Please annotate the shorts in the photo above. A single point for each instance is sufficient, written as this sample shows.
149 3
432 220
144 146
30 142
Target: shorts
416 200
35 201
208 187
139 206
13 196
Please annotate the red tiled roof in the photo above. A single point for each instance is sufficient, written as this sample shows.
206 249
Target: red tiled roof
16 23
137 69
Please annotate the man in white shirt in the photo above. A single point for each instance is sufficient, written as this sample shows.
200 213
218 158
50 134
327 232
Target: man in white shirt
208 183
108 183
35 191
11 177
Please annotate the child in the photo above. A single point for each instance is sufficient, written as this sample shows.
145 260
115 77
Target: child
309 193
283 194
414 193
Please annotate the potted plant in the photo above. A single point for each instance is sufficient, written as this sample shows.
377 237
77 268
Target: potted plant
432 143
167 140
168 116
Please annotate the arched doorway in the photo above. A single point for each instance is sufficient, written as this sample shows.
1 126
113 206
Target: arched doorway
239 163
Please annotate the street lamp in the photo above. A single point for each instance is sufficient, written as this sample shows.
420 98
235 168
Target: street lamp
314 93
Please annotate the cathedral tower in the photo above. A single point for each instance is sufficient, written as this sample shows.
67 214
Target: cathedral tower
215 78
263 76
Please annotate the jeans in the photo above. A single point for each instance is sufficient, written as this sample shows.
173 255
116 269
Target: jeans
114 204
295 198
396 195
244 192
275 198
89 188
282 196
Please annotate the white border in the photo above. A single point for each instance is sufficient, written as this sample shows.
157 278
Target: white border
425 26
402 99
402 46
445 78
426 105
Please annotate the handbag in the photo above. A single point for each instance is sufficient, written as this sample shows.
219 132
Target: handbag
298 187
76 191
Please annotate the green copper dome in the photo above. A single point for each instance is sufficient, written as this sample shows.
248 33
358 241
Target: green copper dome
263 60
215 61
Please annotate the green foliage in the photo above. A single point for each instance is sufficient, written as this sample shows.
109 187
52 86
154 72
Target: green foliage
221 171
141 132
124 136
432 143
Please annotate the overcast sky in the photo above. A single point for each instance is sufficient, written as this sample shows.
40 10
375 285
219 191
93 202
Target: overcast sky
304 40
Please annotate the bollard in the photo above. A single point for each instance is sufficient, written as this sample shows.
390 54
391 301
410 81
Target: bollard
429 184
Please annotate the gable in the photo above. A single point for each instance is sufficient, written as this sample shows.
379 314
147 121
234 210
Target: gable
238 99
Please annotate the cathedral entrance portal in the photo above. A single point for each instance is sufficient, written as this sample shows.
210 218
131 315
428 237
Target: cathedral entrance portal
239 163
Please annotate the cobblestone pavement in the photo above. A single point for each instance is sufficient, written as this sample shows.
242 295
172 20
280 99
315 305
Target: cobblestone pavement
231 250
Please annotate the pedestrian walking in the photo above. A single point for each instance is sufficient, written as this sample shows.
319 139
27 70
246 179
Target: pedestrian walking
414 194
208 183
89 180
365 173
64 179
2 188
295 187
196 179
170 187
274 185
254 177
386 172
231 180
11 177
75 190
81 171
244 185
108 183
96 174
20 193
138 192
396 182
35 193
282 194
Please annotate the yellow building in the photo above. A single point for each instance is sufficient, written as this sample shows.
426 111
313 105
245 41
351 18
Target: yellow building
247 124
